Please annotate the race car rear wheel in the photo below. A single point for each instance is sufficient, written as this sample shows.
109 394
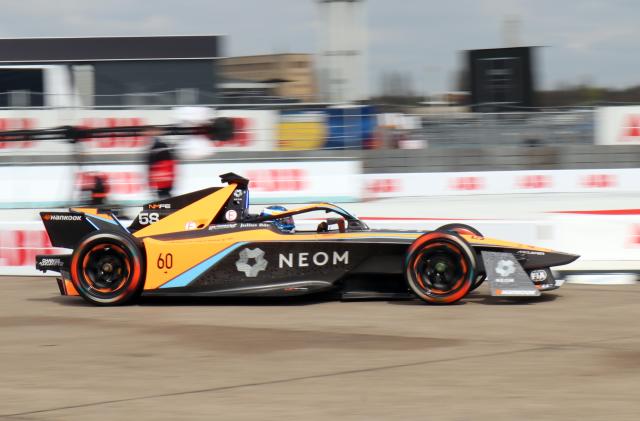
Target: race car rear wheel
107 269
440 267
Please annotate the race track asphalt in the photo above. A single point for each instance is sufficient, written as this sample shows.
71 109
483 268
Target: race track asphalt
573 354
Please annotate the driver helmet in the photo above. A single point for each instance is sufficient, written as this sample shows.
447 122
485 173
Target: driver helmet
285 224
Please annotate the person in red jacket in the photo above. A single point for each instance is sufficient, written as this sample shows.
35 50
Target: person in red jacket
95 188
162 167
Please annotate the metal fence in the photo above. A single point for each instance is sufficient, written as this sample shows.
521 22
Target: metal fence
512 129
425 130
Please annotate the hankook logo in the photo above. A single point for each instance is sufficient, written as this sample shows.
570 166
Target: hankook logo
64 218
259 262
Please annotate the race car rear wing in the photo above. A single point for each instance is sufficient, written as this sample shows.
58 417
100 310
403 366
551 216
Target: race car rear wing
66 229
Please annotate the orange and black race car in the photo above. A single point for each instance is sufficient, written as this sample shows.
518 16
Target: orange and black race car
207 243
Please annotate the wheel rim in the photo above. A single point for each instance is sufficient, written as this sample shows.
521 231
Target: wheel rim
440 269
105 269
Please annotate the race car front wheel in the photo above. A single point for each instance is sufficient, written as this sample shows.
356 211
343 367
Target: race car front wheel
461 229
440 267
107 269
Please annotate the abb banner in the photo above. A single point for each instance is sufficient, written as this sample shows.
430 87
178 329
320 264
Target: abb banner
49 186
19 244
499 182
618 125
292 182
255 129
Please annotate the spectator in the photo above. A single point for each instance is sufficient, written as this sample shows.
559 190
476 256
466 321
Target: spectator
96 186
162 166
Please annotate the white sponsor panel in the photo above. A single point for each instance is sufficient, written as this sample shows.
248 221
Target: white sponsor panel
42 186
20 242
36 186
598 238
618 125
500 182
272 182
255 129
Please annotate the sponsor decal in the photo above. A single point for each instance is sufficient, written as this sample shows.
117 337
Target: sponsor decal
243 225
634 238
534 181
305 259
251 270
468 183
279 179
16 124
538 275
599 181
20 247
119 182
631 129
505 268
516 292
51 262
222 226
191 225
537 253
384 185
231 215
160 206
253 225
62 217
238 193
139 141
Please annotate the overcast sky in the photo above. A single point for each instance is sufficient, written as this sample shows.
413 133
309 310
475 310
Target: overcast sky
593 41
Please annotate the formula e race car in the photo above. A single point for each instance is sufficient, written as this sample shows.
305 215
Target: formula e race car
207 243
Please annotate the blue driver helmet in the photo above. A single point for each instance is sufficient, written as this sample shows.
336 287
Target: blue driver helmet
285 224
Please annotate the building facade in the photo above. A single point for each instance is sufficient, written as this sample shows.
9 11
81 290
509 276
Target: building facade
111 71
293 73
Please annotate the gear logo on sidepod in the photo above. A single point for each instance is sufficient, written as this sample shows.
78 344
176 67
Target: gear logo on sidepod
505 268
260 263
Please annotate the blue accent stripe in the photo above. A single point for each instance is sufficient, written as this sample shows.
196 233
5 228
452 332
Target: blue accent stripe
111 221
185 278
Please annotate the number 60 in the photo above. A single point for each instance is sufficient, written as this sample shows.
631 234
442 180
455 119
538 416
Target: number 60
165 262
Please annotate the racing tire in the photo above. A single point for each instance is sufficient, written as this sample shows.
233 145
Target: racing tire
108 269
461 229
464 229
440 267
480 278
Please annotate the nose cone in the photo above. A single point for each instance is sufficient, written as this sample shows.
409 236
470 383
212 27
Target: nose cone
559 258
536 260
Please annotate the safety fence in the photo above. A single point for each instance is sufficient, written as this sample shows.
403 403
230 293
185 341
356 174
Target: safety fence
335 127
